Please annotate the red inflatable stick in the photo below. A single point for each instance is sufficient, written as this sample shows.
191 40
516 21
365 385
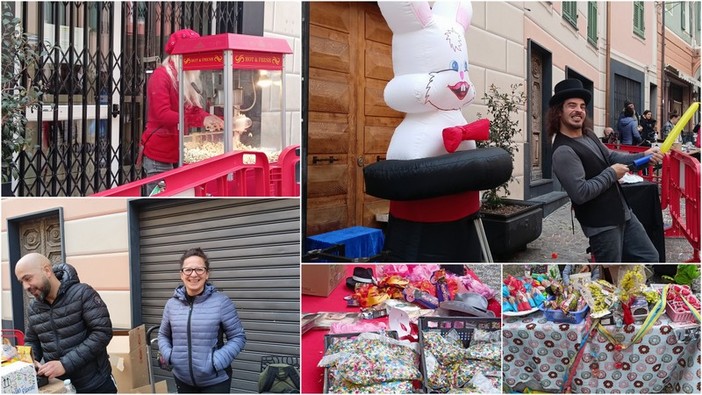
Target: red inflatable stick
454 135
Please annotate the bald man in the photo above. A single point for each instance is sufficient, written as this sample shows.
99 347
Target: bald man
69 325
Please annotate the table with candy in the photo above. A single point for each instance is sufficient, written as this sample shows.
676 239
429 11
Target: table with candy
313 341
537 354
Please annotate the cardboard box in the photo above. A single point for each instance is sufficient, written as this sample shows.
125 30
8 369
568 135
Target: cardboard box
320 279
159 388
18 378
55 386
129 360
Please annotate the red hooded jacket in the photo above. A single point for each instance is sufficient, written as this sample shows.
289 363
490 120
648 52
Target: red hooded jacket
160 139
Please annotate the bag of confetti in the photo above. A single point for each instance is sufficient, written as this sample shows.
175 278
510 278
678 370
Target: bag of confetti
489 352
483 336
393 387
371 359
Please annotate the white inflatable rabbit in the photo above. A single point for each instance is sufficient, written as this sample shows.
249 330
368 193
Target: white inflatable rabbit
431 84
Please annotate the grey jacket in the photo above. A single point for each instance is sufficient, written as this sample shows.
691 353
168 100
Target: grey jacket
189 334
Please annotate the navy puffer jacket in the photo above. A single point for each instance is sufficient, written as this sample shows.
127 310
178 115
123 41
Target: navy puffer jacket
189 333
75 329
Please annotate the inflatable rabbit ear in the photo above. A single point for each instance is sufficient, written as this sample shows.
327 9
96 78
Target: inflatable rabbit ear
462 11
406 16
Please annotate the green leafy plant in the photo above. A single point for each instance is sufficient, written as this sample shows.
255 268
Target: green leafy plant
19 57
502 108
684 274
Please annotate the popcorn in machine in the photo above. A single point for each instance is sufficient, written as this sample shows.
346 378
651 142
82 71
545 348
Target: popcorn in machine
241 79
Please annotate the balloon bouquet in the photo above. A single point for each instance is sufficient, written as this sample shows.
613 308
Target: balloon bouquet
433 172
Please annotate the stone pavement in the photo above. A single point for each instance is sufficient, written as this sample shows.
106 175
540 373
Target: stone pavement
558 242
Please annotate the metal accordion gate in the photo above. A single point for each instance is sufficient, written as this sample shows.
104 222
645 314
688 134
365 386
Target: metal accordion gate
93 74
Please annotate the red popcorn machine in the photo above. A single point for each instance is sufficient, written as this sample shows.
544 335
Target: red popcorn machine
241 79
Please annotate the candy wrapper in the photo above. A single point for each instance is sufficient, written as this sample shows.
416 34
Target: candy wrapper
633 283
442 289
325 320
600 296
369 295
422 298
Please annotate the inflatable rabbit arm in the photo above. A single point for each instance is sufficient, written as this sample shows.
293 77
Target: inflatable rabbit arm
431 82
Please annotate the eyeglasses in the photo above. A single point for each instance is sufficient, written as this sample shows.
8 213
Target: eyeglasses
189 270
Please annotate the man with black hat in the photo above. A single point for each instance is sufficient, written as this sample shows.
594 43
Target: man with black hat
589 172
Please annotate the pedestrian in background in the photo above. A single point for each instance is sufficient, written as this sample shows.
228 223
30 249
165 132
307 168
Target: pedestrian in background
648 131
672 120
628 127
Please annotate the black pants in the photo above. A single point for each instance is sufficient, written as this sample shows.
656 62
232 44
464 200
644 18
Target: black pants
221 388
108 387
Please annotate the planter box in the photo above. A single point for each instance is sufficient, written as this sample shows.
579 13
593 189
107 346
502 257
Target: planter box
507 234
7 189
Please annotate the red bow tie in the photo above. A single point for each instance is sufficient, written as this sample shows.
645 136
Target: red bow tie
454 135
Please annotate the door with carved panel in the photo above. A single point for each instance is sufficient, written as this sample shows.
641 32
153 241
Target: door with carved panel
349 124
41 235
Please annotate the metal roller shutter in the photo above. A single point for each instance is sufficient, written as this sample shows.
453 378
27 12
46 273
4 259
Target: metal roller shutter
254 249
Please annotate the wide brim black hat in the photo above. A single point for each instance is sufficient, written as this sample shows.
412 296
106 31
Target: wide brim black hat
568 89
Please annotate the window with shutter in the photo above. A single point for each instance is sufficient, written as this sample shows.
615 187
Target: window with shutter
570 12
592 22
639 27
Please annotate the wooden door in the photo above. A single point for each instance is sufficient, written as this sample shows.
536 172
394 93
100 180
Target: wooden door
349 124
43 236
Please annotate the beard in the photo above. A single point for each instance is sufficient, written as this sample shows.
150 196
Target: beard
42 291
572 124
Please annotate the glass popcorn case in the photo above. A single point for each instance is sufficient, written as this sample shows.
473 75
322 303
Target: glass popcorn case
240 79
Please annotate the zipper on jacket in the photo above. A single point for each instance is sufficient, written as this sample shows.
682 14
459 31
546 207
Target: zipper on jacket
190 346
53 328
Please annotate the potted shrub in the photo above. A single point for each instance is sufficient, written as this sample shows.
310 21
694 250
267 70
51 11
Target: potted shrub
18 56
509 224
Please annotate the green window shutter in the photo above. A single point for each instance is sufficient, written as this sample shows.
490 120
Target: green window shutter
683 15
639 27
570 12
592 22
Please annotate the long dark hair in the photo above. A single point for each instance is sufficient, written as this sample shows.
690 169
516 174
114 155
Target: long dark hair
197 251
553 121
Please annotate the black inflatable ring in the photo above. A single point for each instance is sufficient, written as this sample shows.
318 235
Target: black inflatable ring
462 171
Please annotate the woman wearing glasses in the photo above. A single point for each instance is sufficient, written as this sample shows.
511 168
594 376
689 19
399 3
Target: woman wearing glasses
190 336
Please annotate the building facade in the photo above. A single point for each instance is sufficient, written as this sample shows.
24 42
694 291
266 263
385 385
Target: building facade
614 48
98 58
129 250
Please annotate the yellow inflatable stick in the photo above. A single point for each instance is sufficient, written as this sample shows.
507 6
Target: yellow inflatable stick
672 136
675 132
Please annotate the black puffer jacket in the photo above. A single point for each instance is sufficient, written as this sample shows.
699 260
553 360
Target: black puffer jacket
75 329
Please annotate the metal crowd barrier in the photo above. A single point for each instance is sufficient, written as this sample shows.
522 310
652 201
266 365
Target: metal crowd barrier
681 182
238 173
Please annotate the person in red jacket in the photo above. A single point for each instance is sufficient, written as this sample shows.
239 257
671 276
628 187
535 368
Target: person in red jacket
161 145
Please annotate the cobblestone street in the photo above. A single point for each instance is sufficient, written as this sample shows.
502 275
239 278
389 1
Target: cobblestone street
559 243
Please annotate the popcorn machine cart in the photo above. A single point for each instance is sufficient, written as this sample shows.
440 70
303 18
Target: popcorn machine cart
241 79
